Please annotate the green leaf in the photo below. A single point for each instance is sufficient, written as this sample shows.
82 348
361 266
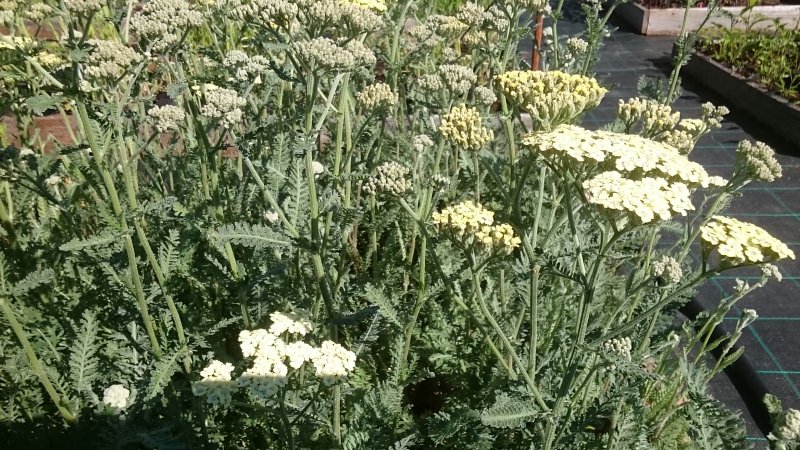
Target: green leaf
509 413
252 236
104 238
39 104
161 374
32 281
83 361
375 296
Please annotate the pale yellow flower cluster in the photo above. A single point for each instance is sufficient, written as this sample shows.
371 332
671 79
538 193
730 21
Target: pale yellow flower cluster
474 223
652 117
376 5
742 243
462 128
378 96
757 162
647 199
551 98
630 154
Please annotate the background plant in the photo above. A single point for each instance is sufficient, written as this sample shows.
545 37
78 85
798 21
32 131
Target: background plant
317 224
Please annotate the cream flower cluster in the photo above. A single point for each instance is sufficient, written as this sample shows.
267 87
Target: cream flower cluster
619 346
267 13
647 199
551 98
652 117
484 96
376 5
391 179
668 269
712 115
756 162
447 27
116 396
163 22
340 12
273 352
421 142
462 128
167 117
83 6
742 243
471 221
222 104
323 52
789 430
38 12
627 153
109 59
245 67
378 96
215 383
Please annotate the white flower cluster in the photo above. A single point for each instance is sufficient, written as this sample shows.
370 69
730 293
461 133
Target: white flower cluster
421 142
216 384
462 127
551 98
273 352
377 97
646 199
756 162
619 346
7 10
163 22
484 96
786 431
116 396
440 182
266 13
222 104
771 271
245 68
167 117
652 117
742 243
109 59
577 46
83 6
391 179
630 154
668 269
455 78
325 53
446 27
356 18
712 115
38 12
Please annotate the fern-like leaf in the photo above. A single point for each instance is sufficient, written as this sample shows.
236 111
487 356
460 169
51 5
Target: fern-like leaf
83 361
509 413
253 236
161 374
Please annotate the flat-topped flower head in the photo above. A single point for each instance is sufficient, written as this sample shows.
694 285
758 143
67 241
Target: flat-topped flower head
291 323
324 53
167 117
116 396
645 200
332 362
223 104
552 98
462 127
391 179
215 384
375 5
163 22
472 223
109 59
742 243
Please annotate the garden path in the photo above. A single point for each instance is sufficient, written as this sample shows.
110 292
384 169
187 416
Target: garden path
771 342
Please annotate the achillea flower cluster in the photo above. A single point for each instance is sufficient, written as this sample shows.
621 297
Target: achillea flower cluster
377 97
273 352
457 78
391 179
630 154
484 96
83 6
376 5
462 128
652 117
646 199
473 223
619 346
342 13
266 13
38 12
163 22
742 243
245 68
167 117
446 27
551 98
712 115
421 142
116 396
324 53
216 384
109 59
222 104
787 430
668 269
756 162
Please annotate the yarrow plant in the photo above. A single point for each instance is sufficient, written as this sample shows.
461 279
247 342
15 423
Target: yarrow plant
304 224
